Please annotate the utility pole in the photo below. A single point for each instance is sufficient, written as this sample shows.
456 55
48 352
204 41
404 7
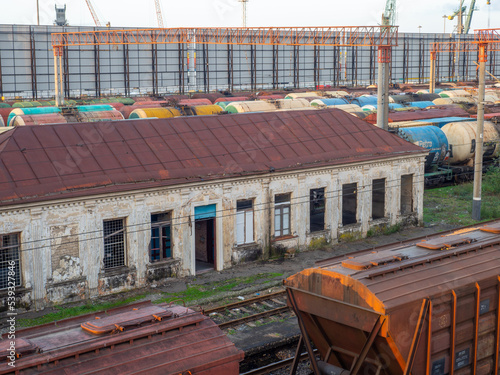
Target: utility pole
37 13
478 157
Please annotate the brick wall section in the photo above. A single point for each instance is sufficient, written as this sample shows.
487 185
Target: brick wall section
64 242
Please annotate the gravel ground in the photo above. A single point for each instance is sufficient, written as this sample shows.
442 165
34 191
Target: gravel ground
286 267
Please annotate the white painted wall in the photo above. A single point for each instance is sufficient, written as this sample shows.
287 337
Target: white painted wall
86 214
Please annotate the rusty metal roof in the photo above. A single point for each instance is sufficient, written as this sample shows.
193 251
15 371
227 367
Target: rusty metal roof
184 341
64 160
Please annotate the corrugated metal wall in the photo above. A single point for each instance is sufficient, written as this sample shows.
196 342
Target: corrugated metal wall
26 65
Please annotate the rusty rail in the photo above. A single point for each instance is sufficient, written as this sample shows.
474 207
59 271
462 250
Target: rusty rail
277 365
244 302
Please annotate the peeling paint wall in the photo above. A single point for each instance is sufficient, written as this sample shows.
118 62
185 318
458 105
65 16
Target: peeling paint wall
62 245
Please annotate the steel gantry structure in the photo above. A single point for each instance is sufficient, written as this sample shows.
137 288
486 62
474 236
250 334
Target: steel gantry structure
382 37
484 40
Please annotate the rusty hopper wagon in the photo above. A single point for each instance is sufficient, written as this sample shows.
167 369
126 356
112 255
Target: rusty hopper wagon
428 306
136 339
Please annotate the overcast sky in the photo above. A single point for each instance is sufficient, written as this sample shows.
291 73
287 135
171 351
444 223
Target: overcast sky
228 13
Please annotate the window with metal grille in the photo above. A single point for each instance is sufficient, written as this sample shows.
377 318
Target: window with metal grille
161 242
282 215
9 260
244 222
114 243
317 209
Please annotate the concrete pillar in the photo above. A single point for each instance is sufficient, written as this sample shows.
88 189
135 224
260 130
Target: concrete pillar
432 82
478 158
384 58
56 78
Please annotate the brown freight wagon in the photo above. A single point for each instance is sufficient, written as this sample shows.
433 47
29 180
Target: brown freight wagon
137 339
428 306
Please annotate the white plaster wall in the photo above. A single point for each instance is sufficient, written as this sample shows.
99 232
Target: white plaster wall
136 207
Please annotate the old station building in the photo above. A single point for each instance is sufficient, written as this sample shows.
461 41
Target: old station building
91 209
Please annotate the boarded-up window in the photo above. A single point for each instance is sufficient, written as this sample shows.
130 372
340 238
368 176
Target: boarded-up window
317 209
114 243
161 245
10 270
349 203
406 194
282 215
378 198
244 222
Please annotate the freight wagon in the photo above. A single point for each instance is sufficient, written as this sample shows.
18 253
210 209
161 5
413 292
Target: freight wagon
137 339
423 306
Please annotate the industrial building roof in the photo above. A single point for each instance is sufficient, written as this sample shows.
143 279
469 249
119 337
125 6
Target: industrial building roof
62 160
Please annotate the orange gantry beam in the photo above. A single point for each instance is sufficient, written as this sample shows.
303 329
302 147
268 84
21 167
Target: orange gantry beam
359 36
463 46
487 36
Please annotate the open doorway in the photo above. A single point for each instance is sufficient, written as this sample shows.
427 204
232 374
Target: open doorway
205 241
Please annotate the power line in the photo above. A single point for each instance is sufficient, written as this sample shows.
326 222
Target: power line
332 194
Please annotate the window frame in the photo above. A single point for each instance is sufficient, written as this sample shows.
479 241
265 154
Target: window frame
312 209
6 262
279 208
383 196
123 233
245 212
160 225
346 188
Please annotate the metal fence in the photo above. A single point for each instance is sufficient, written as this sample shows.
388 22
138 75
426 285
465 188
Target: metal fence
26 65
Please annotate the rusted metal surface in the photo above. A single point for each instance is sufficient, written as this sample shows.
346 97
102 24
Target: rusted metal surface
182 341
440 304
231 99
420 114
4 112
41 119
41 163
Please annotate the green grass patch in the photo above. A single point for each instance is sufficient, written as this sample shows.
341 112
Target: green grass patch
318 243
383 230
64 312
195 293
453 204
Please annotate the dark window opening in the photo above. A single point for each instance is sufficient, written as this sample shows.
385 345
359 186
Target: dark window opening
282 215
378 198
161 241
406 194
317 209
10 270
114 243
349 203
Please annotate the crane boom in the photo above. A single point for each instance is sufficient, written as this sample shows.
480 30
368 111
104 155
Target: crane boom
94 14
469 17
389 16
159 15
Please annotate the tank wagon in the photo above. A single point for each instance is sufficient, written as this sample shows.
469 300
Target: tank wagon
423 306
137 339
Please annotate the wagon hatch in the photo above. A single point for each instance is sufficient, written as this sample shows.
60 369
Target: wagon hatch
120 322
368 261
444 243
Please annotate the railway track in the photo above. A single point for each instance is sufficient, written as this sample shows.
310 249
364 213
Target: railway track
250 310
278 366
